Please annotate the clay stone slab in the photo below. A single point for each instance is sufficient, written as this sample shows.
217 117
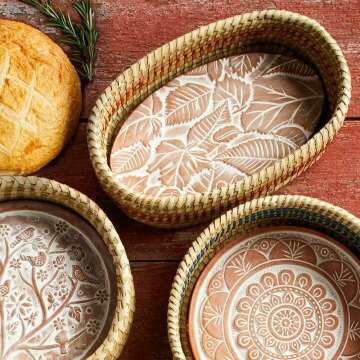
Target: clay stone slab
278 293
216 124
57 283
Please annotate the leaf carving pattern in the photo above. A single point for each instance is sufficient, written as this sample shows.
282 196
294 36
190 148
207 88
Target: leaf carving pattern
159 190
198 71
226 133
145 123
131 158
218 123
287 65
202 130
214 178
296 134
187 102
177 162
247 64
275 106
135 183
255 154
237 92
215 70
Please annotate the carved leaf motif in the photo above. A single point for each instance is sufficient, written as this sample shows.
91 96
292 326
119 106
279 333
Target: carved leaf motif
247 64
237 92
214 112
129 159
135 183
186 103
199 70
226 133
284 65
174 83
159 190
255 154
248 136
75 313
215 178
301 103
142 125
215 69
294 133
177 162
205 126
27 234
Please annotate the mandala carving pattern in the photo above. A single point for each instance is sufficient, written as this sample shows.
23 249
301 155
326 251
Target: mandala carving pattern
280 294
286 320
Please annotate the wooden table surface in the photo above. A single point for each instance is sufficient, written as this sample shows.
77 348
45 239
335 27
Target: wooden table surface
129 29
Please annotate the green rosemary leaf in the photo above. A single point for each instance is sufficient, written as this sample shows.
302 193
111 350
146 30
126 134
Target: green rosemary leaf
81 36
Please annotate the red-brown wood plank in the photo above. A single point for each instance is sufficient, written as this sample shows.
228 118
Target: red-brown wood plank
130 29
148 337
335 178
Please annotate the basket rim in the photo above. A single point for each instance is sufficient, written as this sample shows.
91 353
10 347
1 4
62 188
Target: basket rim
318 141
199 248
51 191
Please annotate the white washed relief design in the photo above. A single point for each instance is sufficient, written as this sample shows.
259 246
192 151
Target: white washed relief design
54 289
278 296
216 124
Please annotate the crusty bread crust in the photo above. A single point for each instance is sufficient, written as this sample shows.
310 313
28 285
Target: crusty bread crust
40 98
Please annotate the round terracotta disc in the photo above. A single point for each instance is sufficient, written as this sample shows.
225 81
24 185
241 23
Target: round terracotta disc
57 283
278 293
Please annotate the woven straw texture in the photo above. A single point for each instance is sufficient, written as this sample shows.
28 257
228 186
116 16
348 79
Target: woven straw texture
271 31
281 210
51 191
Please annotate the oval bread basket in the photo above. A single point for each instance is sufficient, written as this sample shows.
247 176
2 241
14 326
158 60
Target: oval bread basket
34 188
271 31
284 210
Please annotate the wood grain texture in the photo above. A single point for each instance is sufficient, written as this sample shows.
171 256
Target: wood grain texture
130 29
148 338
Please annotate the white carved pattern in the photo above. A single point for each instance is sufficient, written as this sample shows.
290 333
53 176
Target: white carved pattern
239 114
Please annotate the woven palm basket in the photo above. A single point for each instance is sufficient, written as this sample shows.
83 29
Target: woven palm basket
51 191
272 210
271 31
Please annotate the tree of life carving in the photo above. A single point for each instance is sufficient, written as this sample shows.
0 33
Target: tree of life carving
54 290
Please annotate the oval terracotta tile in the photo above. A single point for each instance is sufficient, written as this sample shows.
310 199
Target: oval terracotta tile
291 305
218 123
57 283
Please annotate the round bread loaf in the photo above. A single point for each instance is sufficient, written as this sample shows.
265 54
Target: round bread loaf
40 98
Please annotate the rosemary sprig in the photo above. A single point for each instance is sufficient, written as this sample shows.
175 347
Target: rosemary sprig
80 36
